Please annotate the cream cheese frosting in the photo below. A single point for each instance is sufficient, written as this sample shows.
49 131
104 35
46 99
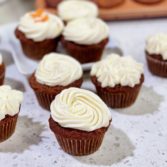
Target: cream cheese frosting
86 31
157 45
40 25
10 101
115 70
58 70
1 59
72 9
80 109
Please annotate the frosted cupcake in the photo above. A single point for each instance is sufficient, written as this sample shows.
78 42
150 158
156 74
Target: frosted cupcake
118 80
79 120
156 54
2 70
10 103
74 9
55 73
85 39
39 33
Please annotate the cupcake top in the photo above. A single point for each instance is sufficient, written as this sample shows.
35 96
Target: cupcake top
1 59
10 101
40 25
157 45
86 31
58 70
73 9
80 109
117 70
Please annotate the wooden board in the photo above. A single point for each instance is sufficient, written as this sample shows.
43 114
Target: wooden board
127 10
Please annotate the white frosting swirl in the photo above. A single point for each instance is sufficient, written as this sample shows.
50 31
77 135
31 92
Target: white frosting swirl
40 26
72 9
80 109
58 70
10 101
1 59
86 31
115 70
157 45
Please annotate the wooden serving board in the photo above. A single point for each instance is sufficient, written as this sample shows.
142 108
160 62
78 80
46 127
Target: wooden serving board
127 10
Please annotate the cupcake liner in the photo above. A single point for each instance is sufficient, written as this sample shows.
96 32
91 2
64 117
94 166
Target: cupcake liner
53 3
119 96
2 74
149 1
156 66
76 142
36 50
85 53
46 94
7 127
108 3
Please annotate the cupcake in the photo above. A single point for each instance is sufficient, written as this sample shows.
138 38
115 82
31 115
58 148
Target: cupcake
117 80
52 3
2 70
149 1
79 120
39 33
108 3
156 54
55 73
85 39
10 103
74 9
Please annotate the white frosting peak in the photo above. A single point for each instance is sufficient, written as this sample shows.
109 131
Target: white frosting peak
80 109
72 9
58 70
86 31
10 101
40 25
115 70
157 45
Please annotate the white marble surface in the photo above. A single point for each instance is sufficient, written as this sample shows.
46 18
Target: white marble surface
137 137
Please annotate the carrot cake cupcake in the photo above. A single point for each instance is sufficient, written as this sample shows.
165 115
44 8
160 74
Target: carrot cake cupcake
10 103
118 80
2 70
73 9
39 33
85 39
79 120
54 73
156 54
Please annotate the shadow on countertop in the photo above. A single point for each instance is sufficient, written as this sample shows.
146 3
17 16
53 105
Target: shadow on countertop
115 147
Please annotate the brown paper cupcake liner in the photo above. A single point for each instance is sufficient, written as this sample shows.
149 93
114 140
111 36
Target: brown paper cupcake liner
108 3
84 53
46 94
119 96
156 66
2 74
36 50
76 142
7 127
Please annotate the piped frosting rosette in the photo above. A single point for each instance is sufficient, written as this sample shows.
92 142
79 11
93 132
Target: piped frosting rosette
80 109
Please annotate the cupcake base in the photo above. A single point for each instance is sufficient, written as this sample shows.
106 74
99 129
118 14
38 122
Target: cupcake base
53 3
85 53
7 127
36 50
108 3
119 96
148 1
76 142
2 74
46 94
157 65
